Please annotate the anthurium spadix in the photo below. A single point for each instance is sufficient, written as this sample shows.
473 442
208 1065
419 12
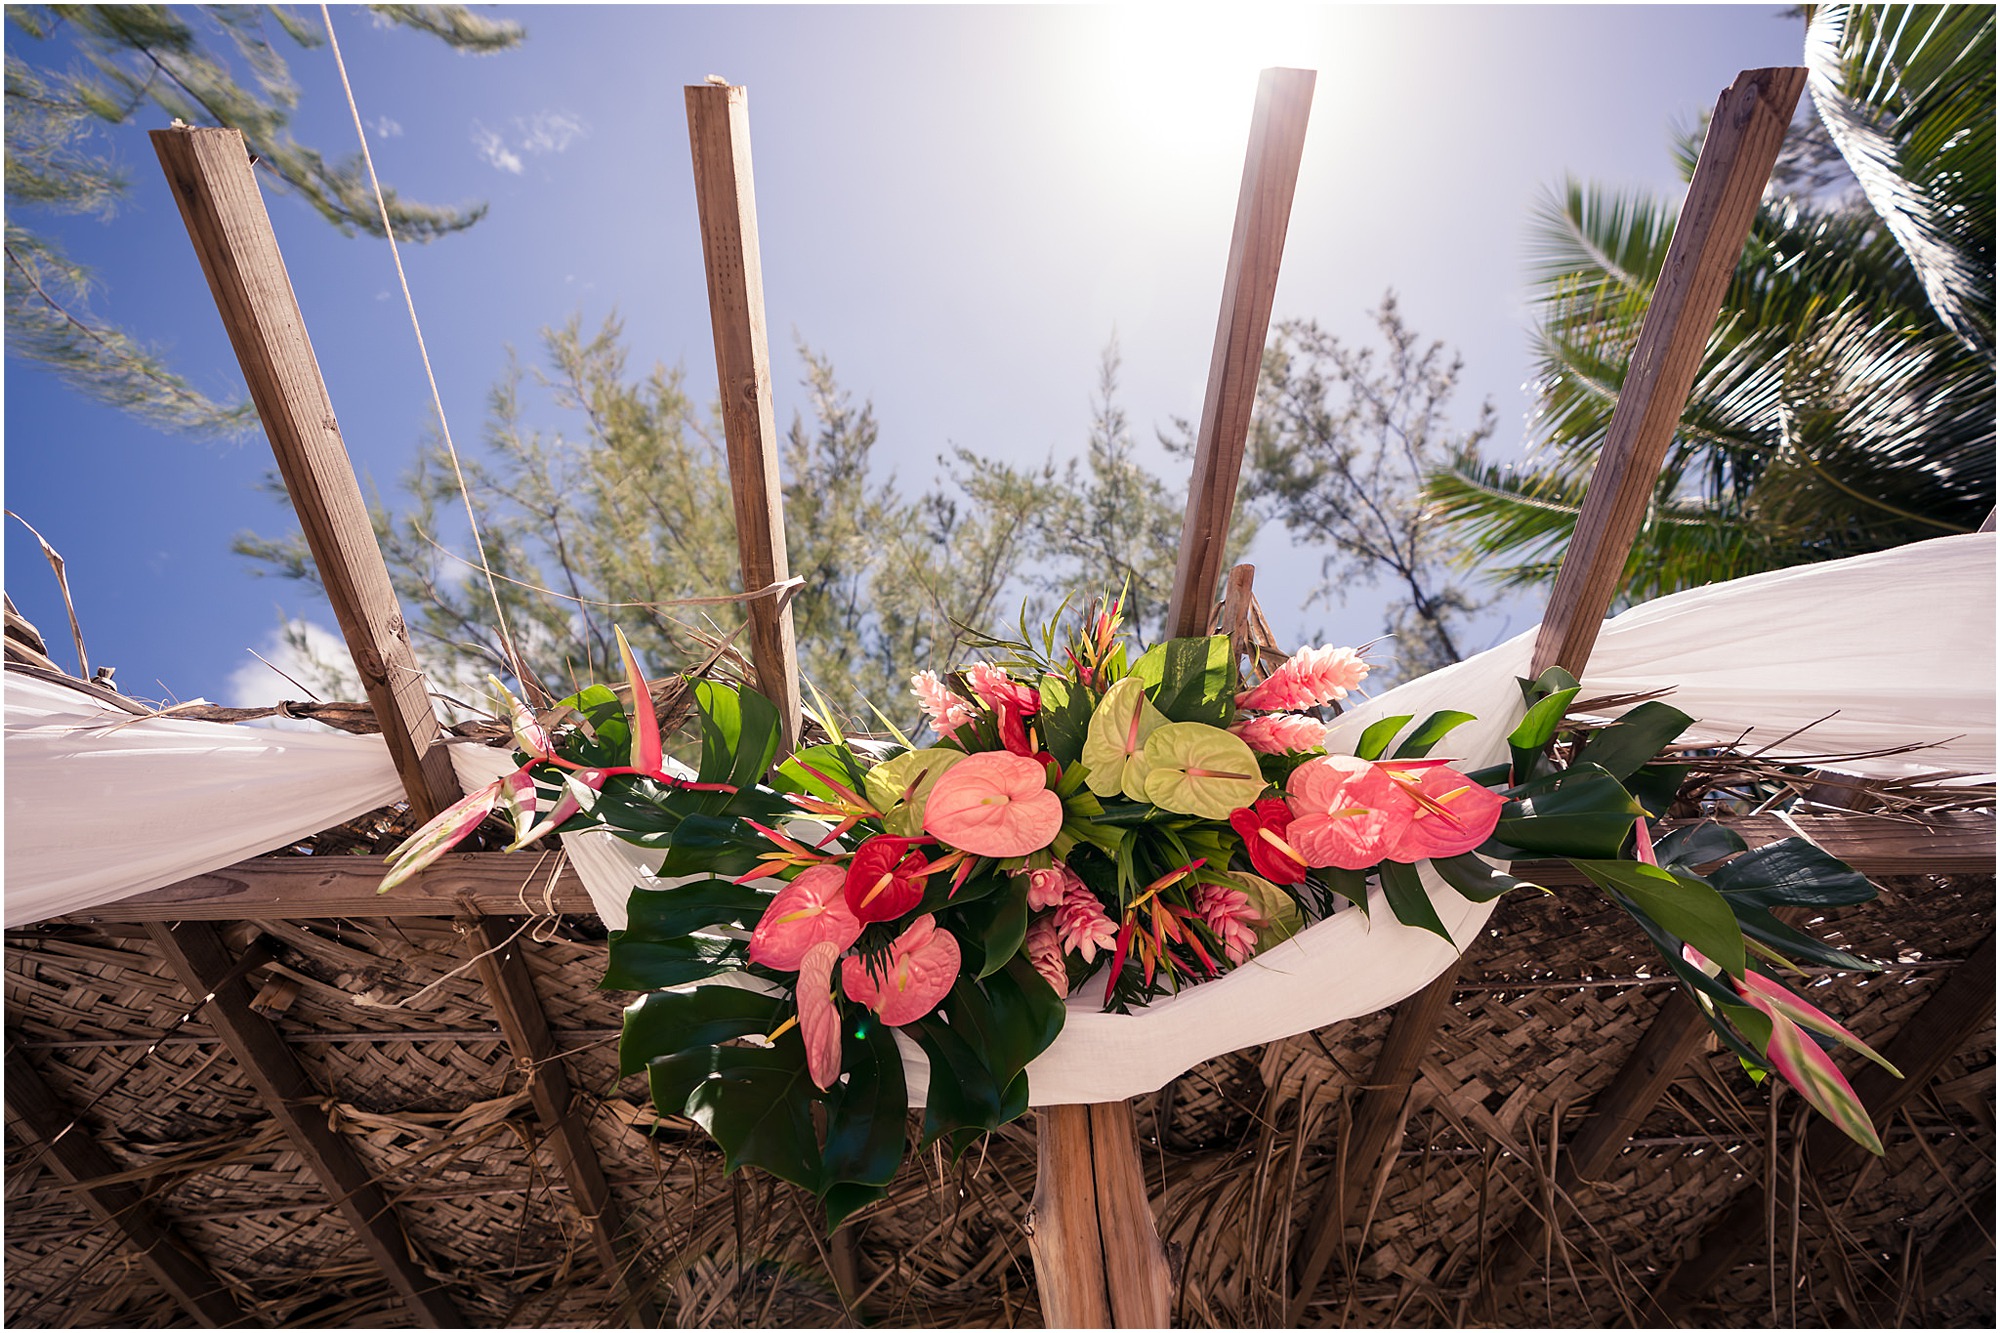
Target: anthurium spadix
1120 726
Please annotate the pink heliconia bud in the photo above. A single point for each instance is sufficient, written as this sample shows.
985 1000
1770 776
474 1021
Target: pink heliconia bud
819 1016
449 828
810 910
922 967
646 755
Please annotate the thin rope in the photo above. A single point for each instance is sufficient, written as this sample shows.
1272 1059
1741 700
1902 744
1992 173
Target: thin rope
437 400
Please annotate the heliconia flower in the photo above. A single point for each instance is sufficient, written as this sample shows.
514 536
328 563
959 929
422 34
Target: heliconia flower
1120 726
450 827
1082 923
1264 828
1228 913
1045 950
529 734
1047 888
809 911
1345 812
1279 733
819 1016
645 725
1307 679
994 804
885 879
945 711
922 967
1450 814
996 689
517 798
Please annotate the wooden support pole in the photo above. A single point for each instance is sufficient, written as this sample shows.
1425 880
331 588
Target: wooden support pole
1098 1260
199 959
719 135
1249 286
211 178
1961 1006
511 986
1736 159
119 1205
1744 136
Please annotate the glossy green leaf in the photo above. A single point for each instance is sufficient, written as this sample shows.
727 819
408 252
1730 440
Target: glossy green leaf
1538 728
835 761
865 1117
669 912
1064 718
1477 879
1791 872
1433 729
1404 889
739 737
666 1022
755 1102
651 964
1191 680
1580 812
1682 904
1374 742
1634 739
710 845
1694 845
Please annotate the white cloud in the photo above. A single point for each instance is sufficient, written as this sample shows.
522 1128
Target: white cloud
313 656
385 128
549 131
493 150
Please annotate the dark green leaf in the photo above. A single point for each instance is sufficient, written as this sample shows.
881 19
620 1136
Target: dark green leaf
1682 904
1791 872
755 1102
603 715
864 1119
739 737
1579 812
1405 892
1633 739
666 1022
1434 728
1006 927
651 964
1657 786
1796 945
712 845
666 913
1064 719
1191 680
1374 742
1694 845
1477 879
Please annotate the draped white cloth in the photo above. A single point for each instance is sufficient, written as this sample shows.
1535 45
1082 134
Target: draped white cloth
1896 646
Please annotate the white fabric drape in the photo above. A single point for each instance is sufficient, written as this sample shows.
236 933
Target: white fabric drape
1897 646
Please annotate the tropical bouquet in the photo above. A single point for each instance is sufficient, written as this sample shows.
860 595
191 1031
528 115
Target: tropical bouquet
1090 824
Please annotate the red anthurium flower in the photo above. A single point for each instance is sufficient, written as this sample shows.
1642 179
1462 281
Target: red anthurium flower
885 879
923 964
1345 812
1450 815
1262 827
809 911
819 1016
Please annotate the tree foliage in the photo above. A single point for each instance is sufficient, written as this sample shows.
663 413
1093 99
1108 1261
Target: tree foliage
205 65
1845 401
1341 446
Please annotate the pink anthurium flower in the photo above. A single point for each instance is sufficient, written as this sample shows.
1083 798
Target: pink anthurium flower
451 827
994 804
885 879
1345 812
1450 814
1263 827
819 1016
923 965
809 911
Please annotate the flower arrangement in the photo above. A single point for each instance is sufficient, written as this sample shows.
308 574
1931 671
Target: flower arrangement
1107 829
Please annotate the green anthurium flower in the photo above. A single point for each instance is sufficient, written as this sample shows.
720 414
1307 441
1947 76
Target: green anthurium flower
1195 769
899 787
1119 727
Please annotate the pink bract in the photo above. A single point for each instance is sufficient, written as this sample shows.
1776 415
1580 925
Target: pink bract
923 964
997 690
1307 679
809 911
946 711
1228 913
1449 813
1082 923
994 804
1044 949
1280 733
819 1016
1345 812
1046 888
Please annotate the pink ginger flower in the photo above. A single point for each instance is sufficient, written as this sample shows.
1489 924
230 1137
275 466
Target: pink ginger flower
1045 951
1308 678
1228 913
1048 888
1000 692
945 710
1083 924
1280 733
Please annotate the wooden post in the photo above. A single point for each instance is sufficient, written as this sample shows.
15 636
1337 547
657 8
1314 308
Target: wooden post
1736 159
210 176
719 135
199 959
119 1205
1249 286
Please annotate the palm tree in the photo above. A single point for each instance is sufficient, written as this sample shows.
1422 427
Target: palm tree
1845 403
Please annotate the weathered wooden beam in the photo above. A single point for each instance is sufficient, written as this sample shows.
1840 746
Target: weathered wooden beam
503 967
1098 1259
719 135
210 176
1744 136
198 957
1249 287
119 1205
294 888
1960 1007
1729 178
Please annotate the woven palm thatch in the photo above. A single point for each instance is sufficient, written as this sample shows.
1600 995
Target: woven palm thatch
397 1033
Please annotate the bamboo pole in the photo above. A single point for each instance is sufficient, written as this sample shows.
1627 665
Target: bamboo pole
719 137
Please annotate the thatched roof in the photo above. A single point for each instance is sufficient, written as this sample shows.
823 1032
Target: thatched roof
399 1035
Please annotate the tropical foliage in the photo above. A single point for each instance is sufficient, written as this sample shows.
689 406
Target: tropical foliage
1845 403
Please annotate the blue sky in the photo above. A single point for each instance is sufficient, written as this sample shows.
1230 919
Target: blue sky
959 205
